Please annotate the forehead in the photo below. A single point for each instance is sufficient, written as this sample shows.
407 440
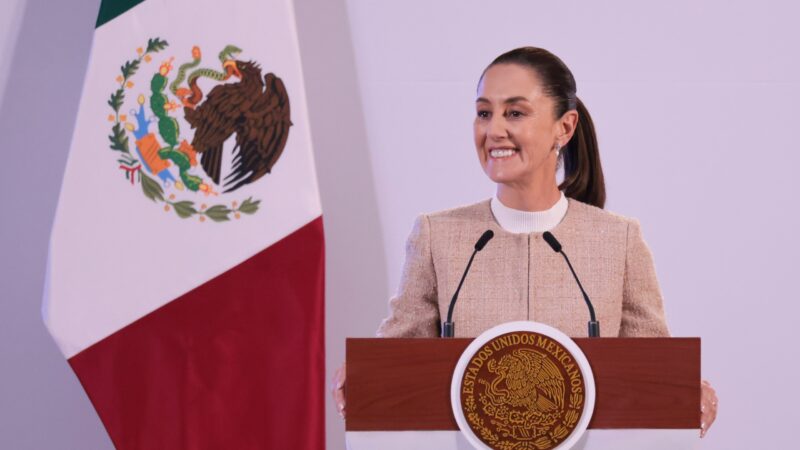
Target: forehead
504 81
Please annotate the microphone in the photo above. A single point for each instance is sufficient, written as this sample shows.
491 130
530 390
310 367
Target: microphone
483 240
449 328
594 325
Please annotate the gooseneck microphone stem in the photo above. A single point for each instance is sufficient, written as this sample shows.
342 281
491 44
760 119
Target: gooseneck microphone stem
448 327
594 325
448 330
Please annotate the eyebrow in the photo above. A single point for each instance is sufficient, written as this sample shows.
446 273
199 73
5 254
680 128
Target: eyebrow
508 101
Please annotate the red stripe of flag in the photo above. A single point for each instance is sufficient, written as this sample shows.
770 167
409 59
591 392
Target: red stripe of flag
237 363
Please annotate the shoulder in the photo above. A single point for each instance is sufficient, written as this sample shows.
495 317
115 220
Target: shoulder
595 223
451 226
476 212
586 215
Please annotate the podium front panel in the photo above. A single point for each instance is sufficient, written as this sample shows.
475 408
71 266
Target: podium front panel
404 384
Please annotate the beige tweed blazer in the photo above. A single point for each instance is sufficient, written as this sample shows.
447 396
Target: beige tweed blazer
519 277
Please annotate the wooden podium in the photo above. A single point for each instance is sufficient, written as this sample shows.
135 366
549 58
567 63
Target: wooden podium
648 393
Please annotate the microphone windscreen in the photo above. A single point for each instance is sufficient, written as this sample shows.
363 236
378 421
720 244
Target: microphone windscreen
554 244
485 237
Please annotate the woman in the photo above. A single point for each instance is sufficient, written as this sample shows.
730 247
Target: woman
528 122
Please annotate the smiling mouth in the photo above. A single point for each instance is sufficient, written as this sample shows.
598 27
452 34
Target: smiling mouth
501 153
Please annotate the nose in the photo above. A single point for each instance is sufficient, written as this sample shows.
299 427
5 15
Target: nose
496 128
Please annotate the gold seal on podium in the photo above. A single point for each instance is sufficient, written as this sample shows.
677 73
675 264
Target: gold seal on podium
522 390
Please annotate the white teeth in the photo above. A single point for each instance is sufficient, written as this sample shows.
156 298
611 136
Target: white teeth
501 152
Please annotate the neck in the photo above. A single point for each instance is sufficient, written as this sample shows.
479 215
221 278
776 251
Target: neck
528 198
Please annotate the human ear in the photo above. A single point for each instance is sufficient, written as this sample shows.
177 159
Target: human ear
566 127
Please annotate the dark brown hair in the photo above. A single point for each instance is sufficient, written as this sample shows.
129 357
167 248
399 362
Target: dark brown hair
583 174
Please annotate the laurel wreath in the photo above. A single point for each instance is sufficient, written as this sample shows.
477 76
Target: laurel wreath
132 166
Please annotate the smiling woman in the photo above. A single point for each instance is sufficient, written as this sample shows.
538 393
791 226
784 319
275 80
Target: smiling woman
528 121
527 112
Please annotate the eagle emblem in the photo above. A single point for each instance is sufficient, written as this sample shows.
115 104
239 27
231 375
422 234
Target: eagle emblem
522 391
199 132
531 384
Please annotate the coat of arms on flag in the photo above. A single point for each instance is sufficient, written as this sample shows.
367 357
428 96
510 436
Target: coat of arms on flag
172 166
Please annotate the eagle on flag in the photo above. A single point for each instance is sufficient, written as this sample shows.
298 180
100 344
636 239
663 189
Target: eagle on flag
256 109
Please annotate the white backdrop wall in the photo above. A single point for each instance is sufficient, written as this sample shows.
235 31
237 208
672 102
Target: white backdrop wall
694 103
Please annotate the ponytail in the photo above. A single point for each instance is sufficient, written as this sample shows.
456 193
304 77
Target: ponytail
583 174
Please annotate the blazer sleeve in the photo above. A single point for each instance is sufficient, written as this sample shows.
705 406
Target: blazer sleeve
642 304
414 310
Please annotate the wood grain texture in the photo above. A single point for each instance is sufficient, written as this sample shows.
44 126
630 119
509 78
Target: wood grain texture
404 384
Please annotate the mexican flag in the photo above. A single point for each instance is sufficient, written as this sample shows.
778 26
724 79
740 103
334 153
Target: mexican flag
185 275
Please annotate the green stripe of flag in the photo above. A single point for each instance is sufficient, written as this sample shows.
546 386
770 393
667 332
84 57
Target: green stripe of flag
110 9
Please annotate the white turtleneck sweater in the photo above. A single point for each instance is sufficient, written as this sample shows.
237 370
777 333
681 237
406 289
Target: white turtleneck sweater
516 221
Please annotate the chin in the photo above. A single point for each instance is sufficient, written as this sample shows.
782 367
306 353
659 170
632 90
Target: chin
503 177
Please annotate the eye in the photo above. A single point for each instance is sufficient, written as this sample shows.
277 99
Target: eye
483 114
515 114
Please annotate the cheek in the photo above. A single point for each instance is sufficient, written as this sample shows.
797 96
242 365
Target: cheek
479 134
535 139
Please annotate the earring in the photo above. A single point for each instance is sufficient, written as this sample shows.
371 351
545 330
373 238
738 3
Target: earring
557 147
